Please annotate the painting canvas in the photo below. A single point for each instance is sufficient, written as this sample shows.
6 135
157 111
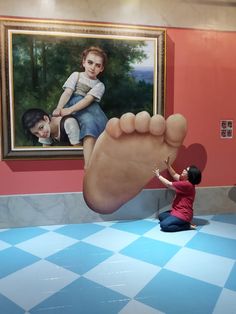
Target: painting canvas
37 56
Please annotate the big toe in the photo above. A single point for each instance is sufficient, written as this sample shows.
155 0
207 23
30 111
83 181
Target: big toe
176 129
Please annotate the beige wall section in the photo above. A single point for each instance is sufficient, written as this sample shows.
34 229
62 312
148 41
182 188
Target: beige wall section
201 14
67 208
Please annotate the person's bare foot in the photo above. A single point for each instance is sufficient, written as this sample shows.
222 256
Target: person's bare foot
192 226
125 155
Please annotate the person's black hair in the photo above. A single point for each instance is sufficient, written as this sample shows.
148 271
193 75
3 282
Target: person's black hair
29 120
194 175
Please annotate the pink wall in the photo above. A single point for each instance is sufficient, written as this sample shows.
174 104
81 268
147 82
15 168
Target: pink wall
201 77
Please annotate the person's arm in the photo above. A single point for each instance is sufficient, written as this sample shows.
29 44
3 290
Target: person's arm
65 96
83 103
46 142
171 171
72 130
94 94
163 180
69 88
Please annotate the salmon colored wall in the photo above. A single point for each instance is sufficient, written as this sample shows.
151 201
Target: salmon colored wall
201 79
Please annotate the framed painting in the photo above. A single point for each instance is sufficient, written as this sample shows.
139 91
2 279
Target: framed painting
38 56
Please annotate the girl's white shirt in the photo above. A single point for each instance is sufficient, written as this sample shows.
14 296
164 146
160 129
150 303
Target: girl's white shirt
97 87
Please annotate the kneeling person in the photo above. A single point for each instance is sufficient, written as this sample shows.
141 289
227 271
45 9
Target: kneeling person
181 214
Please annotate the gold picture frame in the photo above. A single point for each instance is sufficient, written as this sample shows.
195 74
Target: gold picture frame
38 55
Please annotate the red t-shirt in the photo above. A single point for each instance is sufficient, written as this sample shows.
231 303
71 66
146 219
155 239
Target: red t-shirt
182 206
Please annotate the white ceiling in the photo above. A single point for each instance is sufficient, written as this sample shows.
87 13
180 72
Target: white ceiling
200 14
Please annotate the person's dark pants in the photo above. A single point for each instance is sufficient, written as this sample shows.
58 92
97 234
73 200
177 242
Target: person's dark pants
171 223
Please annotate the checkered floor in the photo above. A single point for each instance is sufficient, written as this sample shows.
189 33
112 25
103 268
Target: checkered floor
119 267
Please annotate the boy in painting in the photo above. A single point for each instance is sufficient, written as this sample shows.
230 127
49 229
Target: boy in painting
38 125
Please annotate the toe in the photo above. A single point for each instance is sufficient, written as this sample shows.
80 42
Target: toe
127 122
113 128
176 129
142 121
157 125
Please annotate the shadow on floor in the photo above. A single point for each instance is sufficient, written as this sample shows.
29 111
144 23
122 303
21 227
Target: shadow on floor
200 221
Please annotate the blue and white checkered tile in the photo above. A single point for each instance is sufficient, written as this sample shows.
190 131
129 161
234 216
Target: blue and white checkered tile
119 267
